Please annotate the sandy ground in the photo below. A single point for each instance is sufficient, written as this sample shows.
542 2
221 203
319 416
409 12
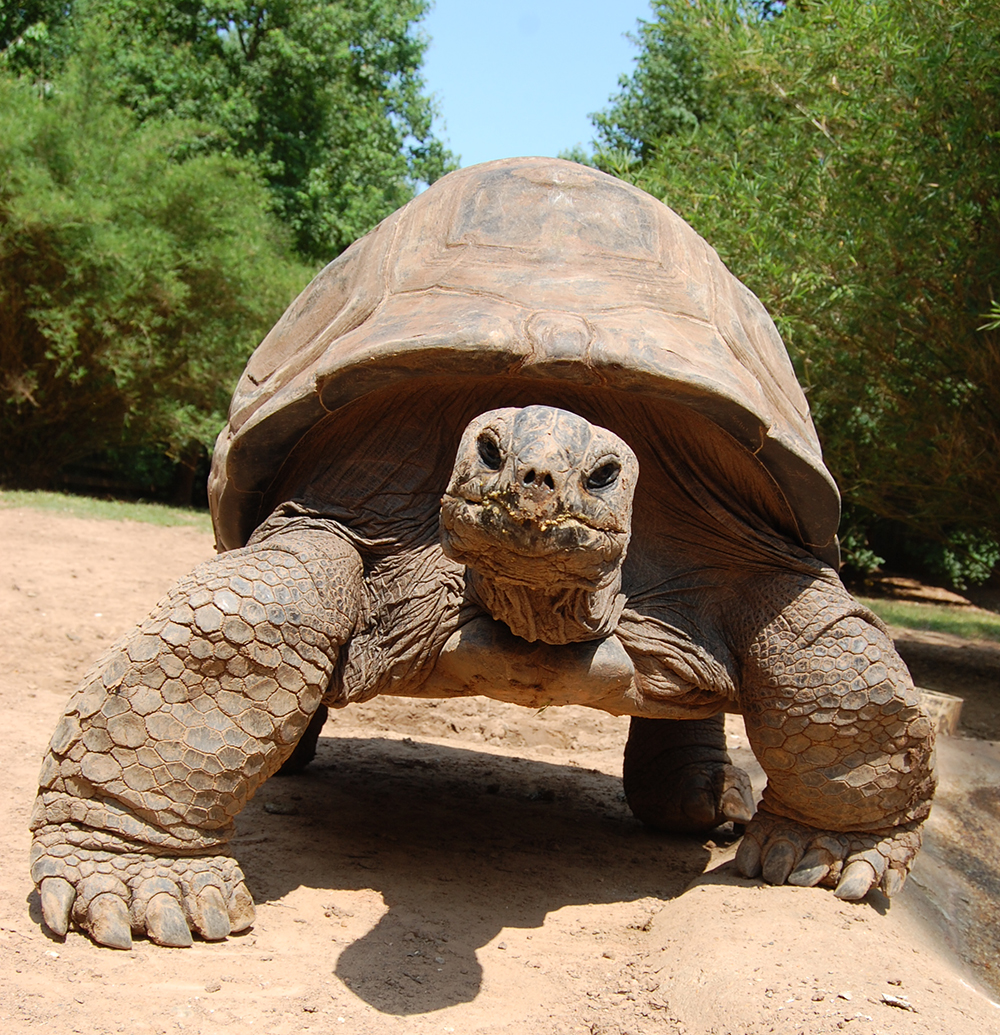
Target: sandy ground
471 867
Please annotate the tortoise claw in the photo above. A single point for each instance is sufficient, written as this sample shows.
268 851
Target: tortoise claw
748 857
107 921
778 861
57 897
210 916
892 881
856 881
241 908
736 802
165 922
812 868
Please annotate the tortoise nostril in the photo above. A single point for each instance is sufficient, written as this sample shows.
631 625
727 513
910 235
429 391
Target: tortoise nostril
538 479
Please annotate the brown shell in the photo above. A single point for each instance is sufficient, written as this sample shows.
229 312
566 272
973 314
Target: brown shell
534 269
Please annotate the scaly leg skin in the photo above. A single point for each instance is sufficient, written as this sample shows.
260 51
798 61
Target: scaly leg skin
834 720
678 775
175 729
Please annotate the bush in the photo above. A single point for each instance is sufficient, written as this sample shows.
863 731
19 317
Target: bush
133 286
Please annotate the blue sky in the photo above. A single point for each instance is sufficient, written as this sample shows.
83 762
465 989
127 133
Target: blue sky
513 77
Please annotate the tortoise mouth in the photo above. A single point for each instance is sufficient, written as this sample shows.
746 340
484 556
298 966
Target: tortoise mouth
500 539
538 517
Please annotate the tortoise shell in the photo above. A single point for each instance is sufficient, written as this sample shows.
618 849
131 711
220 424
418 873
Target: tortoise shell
553 282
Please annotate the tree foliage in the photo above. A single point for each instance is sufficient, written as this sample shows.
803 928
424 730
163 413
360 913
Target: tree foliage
149 155
132 286
25 41
843 158
325 96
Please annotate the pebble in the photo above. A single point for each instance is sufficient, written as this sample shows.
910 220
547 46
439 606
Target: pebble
898 1001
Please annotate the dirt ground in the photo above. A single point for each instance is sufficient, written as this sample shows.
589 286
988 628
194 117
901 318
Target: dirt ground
472 867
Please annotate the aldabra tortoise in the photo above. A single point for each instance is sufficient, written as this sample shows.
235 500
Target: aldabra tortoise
530 439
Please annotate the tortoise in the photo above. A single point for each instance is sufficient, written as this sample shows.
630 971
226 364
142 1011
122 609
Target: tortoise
528 438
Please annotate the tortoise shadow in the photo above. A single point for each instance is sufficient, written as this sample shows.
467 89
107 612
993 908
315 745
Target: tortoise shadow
460 844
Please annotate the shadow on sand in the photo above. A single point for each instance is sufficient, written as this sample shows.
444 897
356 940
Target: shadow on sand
460 844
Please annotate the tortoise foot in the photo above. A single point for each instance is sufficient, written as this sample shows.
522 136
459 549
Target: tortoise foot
679 777
113 895
693 798
785 852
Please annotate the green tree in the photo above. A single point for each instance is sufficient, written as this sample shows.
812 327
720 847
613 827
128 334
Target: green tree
843 159
325 96
25 40
132 286
145 151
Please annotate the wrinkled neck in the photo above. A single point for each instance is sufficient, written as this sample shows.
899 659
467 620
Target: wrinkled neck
560 615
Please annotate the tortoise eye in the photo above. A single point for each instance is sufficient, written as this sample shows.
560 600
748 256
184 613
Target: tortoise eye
489 452
603 476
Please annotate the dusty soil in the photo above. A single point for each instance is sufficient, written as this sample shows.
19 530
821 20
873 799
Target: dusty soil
471 867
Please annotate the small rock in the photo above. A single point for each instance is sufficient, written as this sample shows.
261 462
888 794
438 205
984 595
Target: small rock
279 808
845 995
213 987
898 1001
502 945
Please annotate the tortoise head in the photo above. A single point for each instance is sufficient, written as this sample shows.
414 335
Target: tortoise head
539 509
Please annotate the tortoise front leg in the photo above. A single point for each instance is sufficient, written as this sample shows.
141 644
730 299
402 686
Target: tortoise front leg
834 720
175 729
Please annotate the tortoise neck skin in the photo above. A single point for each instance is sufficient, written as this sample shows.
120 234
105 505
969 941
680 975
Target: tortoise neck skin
539 509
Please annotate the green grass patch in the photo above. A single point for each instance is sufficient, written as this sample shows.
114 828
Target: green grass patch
969 623
106 510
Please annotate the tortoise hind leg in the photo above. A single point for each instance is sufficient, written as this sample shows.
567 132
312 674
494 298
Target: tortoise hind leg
305 750
678 775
